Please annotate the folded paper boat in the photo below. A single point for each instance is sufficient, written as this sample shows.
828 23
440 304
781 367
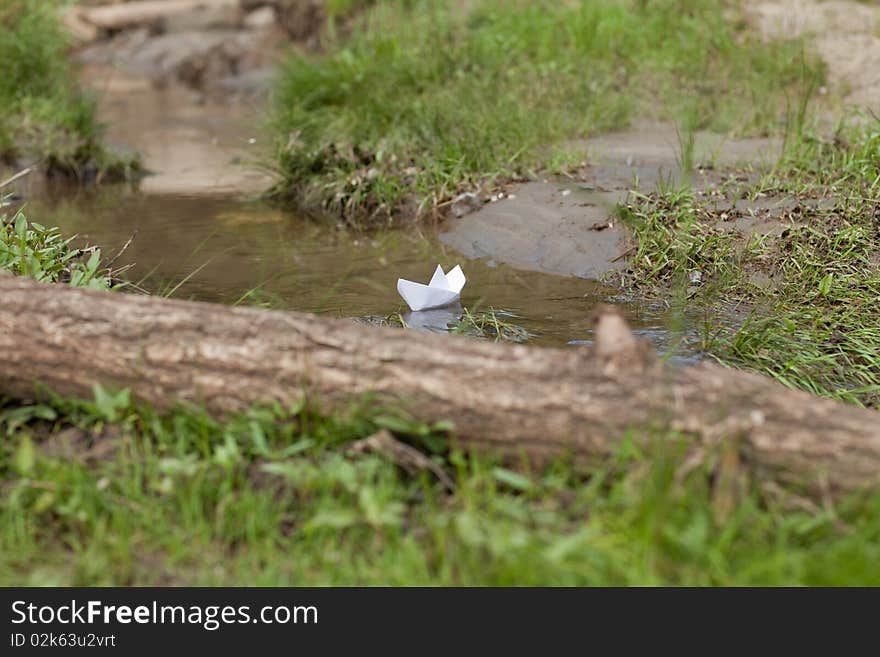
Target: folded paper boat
443 289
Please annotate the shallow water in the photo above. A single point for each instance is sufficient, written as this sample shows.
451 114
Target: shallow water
229 251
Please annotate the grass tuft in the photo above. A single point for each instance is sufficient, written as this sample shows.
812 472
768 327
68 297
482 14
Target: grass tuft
31 249
492 324
809 272
43 113
429 97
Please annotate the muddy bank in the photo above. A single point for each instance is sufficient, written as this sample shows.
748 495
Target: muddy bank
183 84
212 48
188 145
564 227
568 227
844 33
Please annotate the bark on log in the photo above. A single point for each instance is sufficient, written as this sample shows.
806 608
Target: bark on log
79 28
148 12
512 399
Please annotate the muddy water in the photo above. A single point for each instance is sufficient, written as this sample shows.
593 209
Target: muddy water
189 144
196 238
228 251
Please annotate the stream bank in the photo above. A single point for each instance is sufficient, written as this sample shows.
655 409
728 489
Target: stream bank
569 226
188 93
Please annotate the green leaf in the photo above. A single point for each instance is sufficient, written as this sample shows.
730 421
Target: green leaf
397 424
512 479
825 284
434 444
258 439
108 405
25 457
18 416
287 470
299 446
94 261
186 467
297 407
332 519
20 226
469 528
443 426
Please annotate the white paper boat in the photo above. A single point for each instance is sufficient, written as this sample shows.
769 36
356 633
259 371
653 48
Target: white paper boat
443 289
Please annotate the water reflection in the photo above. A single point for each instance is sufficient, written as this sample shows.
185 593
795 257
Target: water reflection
436 320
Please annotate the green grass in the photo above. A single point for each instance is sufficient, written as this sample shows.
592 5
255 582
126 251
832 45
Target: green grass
43 113
429 97
811 284
31 249
425 102
107 493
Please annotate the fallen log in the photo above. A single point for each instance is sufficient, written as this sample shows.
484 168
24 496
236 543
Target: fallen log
515 400
79 28
146 13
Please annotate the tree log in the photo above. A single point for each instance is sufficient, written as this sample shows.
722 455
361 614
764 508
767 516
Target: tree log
512 399
143 13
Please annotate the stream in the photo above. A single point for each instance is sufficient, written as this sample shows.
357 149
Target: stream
198 237
226 250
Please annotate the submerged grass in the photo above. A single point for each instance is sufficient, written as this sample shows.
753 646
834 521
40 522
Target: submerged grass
799 246
430 97
105 492
43 113
492 324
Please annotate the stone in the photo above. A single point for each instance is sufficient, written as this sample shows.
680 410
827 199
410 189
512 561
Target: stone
466 203
263 18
